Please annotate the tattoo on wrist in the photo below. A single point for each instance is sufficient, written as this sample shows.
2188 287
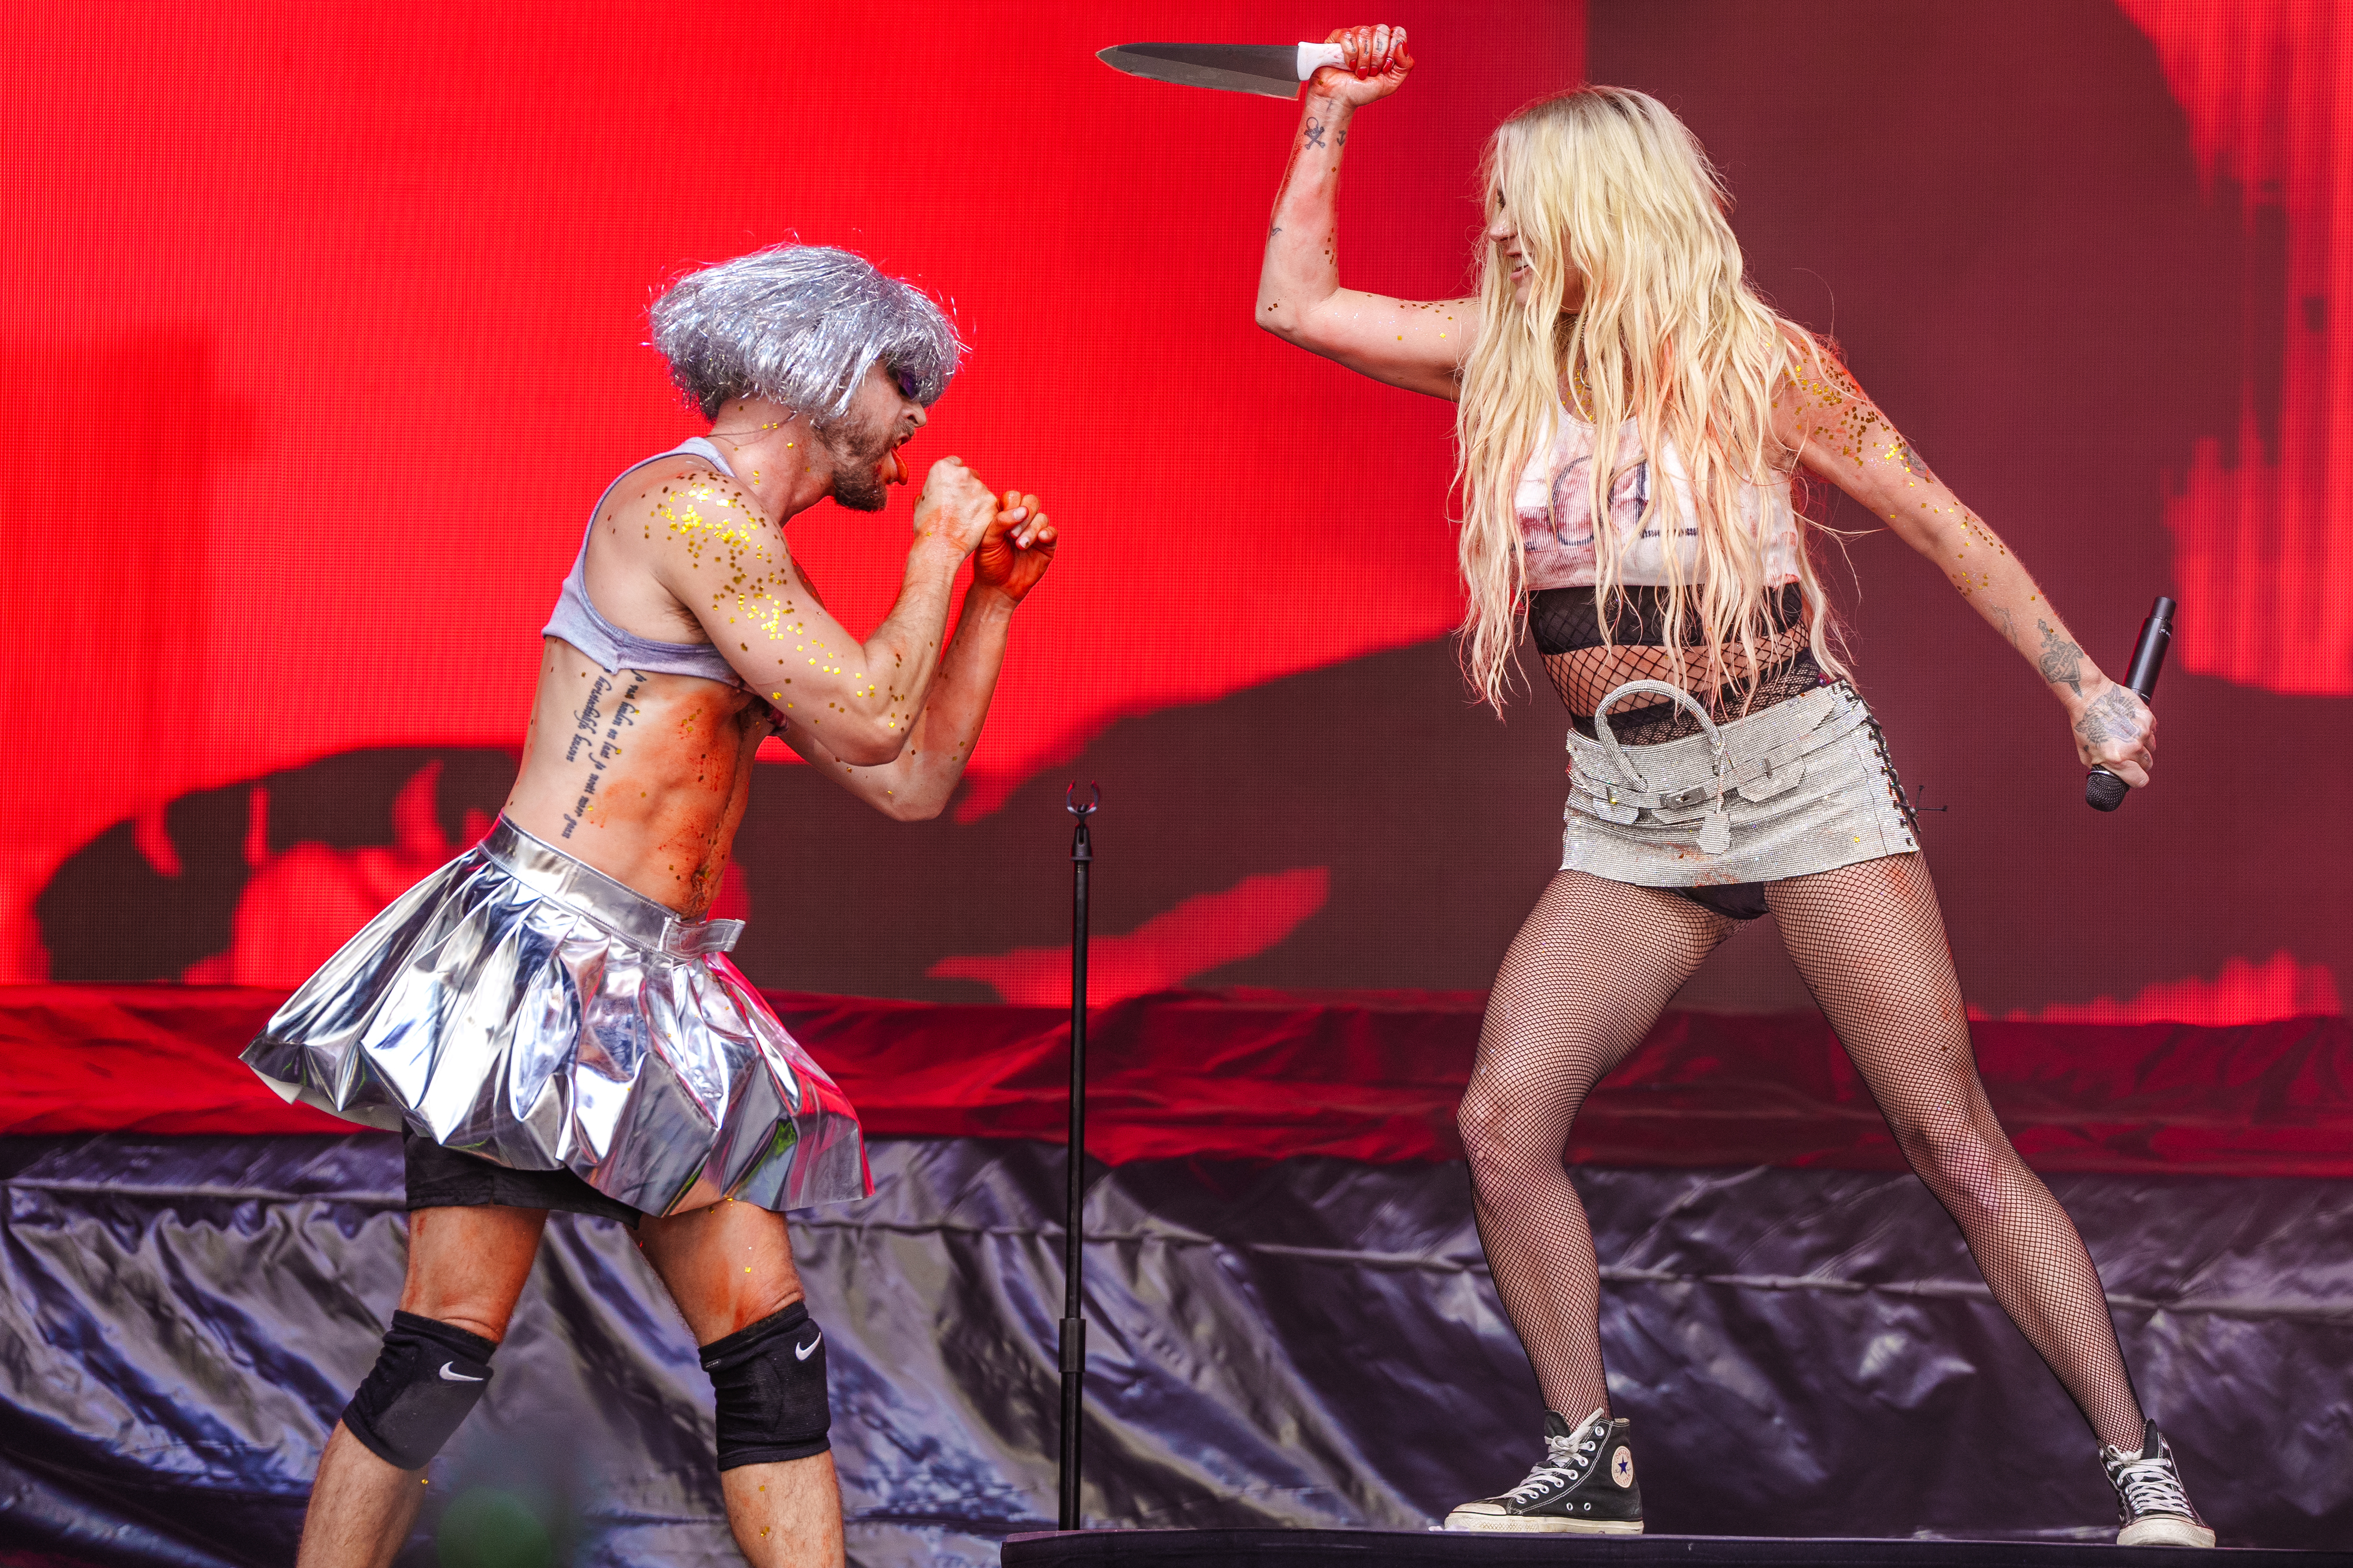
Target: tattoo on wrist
1315 131
2061 661
2111 717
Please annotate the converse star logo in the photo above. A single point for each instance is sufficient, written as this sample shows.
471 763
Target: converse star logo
802 1353
450 1375
1621 1467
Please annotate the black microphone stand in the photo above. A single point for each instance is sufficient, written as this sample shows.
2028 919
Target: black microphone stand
1074 1326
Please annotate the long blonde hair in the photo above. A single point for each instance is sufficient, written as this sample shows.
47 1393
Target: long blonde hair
1606 185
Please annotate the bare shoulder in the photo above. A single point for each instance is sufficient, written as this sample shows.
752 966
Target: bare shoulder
1812 372
1824 414
1816 398
692 517
684 498
674 542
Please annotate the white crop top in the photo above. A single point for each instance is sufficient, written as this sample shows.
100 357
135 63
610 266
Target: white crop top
1554 501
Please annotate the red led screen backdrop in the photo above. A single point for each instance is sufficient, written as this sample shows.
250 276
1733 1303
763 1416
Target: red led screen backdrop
304 297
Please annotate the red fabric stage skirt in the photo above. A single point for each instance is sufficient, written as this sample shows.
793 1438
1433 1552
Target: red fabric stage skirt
1375 1076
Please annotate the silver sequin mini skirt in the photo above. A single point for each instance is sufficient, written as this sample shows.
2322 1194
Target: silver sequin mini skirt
520 1005
1803 786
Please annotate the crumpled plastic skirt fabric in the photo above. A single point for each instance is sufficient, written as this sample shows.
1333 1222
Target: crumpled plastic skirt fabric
521 1006
1313 1343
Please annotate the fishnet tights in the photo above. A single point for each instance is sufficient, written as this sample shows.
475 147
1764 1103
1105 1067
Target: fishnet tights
1582 984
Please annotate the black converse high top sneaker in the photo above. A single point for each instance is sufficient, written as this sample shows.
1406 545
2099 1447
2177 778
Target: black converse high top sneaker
2156 1510
1585 1486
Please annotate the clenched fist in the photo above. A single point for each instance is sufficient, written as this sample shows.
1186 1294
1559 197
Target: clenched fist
1376 65
1016 549
2116 731
955 506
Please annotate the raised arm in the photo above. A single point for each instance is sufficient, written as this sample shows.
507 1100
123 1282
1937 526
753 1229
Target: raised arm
1414 343
721 556
1839 434
915 785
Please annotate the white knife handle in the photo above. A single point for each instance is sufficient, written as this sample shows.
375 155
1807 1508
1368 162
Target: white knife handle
1311 56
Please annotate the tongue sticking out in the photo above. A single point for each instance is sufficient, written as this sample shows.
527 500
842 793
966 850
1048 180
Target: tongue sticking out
892 471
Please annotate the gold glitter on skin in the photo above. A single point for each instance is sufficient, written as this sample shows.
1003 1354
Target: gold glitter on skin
722 531
1821 414
701 560
1843 435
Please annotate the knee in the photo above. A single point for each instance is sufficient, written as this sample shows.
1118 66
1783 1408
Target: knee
1969 1169
770 1383
427 1380
474 1318
1499 1135
749 1307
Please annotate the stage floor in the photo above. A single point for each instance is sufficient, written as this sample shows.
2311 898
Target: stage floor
1400 1549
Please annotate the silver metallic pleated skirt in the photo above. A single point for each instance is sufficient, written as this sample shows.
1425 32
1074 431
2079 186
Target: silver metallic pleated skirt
520 1005
1799 787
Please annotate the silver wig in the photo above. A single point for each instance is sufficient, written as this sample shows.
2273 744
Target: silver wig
800 325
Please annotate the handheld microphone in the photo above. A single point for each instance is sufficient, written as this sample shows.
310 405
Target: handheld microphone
2104 791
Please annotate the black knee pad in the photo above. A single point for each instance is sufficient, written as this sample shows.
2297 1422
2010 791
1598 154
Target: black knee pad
770 1380
427 1379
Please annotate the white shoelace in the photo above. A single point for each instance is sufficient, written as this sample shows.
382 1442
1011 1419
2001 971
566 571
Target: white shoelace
2149 1486
1566 1459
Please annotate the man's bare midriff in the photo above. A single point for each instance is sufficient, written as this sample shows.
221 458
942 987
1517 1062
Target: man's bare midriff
643 777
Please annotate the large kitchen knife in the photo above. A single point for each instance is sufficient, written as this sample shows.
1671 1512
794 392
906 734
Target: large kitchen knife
1274 70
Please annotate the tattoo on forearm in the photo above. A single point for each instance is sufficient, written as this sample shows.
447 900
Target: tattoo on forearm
2009 625
1315 131
2062 662
2111 717
1913 462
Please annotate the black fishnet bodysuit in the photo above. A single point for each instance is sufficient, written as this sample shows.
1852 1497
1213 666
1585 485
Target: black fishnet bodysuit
1596 963
1566 625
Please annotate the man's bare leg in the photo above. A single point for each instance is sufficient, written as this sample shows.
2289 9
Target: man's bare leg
788 1513
466 1266
728 1267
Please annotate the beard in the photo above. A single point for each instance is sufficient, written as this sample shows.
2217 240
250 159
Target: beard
858 455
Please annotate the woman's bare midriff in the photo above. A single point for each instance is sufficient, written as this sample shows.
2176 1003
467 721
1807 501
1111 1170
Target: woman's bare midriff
643 777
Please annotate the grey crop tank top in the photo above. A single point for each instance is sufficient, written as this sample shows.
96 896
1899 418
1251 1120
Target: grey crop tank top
576 620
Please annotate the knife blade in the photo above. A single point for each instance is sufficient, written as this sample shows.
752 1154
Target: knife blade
1272 70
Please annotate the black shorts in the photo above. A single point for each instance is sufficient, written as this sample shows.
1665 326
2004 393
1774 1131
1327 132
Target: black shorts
1740 900
444 1178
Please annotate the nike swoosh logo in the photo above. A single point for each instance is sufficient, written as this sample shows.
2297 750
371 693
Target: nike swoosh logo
449 1376
802 1353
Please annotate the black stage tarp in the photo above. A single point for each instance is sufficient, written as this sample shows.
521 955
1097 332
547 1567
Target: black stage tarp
1364 1549
1313 1343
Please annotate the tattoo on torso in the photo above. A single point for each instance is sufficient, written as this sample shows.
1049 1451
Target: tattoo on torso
600 750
